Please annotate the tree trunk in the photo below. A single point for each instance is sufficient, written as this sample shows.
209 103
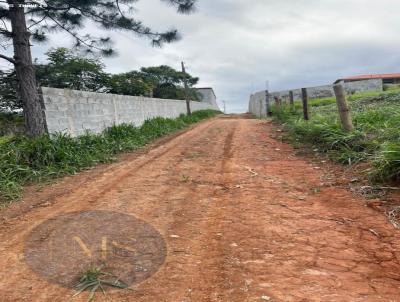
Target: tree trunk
27 89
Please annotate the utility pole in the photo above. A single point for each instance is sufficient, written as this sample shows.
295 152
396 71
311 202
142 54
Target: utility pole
187 97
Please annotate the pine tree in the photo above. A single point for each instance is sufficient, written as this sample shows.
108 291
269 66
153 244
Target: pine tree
23 20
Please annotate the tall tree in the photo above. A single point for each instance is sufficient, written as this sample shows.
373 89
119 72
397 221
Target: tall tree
169 83
35 19
167 75
129 83
67 69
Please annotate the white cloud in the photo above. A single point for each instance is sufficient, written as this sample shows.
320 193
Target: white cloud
236 45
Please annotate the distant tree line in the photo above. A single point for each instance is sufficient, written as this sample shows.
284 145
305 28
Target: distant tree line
68 69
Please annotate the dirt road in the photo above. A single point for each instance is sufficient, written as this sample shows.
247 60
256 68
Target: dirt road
242 217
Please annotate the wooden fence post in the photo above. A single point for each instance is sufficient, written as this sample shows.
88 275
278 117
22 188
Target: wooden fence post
304 97
291 100
277 105
344 111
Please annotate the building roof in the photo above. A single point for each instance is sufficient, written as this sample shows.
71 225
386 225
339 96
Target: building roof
370 77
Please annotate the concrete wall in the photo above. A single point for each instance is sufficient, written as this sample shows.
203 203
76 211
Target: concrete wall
75 112
207 95
258 100
258 104
364 86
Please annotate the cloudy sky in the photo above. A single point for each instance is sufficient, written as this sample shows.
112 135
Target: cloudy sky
236 46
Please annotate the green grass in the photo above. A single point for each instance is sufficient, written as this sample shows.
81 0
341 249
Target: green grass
24 160
5 139
95 279
391 87
376 139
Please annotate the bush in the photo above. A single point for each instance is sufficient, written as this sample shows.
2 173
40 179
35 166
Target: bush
24 160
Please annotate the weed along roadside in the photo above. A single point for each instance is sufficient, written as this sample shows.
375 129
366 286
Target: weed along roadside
374 140
26 160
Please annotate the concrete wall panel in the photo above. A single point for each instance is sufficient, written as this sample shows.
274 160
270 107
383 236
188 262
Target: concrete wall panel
75 112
